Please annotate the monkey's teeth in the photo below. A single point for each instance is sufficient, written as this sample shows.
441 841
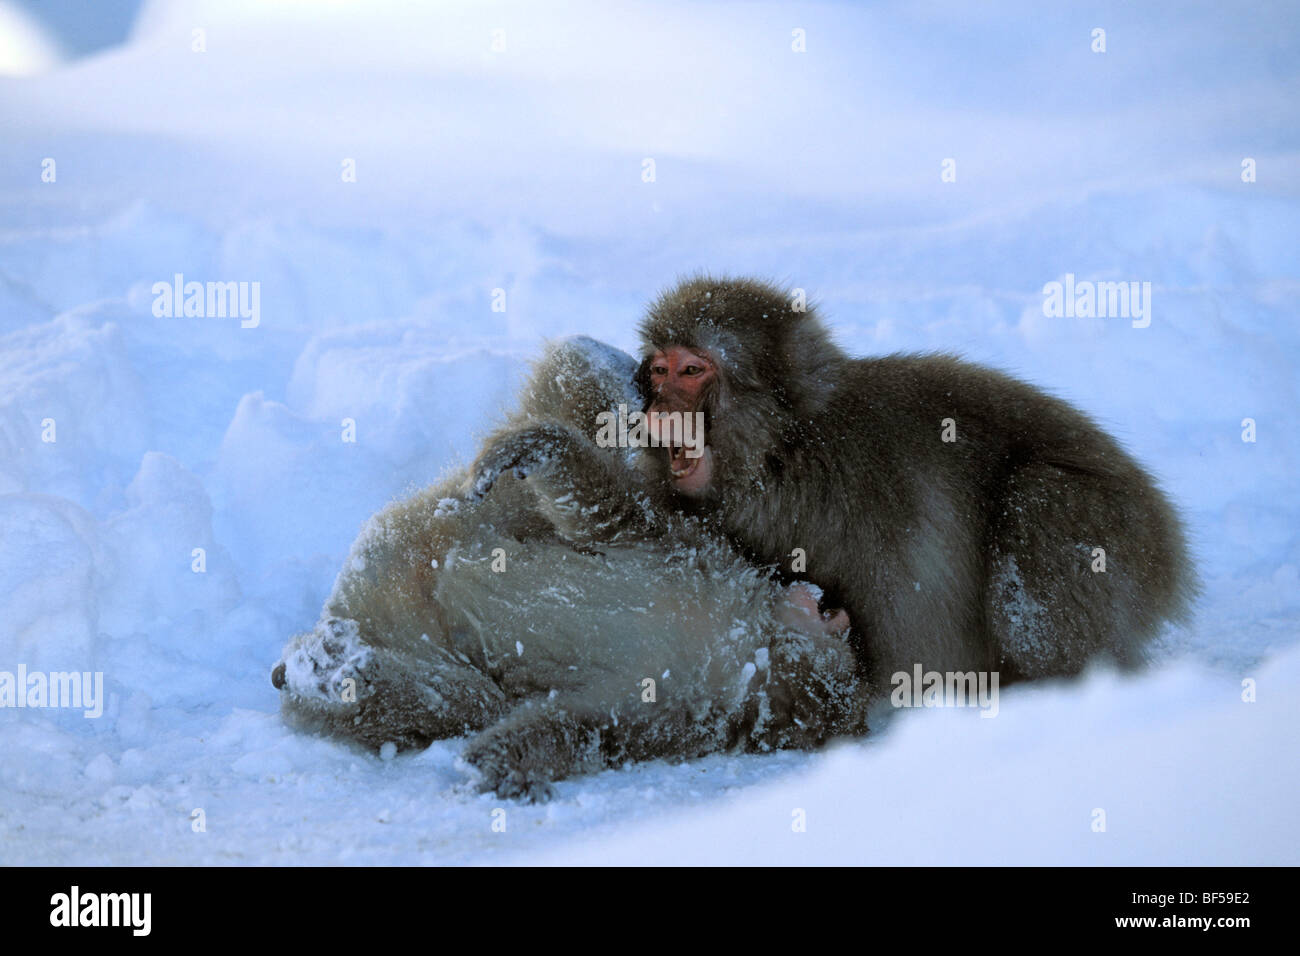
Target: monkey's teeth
688 465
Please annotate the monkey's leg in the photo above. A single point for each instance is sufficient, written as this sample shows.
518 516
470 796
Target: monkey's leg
591 729
331 681
810 693
538 743
589 494
1080 565
806 691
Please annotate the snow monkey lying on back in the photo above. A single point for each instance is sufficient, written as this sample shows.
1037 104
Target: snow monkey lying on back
565 645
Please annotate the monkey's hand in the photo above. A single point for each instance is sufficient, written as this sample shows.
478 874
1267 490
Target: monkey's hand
803 611
523 452
588 494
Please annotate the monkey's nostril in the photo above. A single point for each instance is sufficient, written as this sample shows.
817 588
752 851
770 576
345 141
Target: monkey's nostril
277 676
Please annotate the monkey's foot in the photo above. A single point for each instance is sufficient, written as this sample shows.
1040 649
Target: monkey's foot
812 693
521 756
505 774
522 785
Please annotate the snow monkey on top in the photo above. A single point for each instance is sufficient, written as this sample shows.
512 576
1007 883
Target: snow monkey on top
964 520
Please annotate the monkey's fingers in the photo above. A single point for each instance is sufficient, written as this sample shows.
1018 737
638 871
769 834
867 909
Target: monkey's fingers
523 453
497 461
804 611
485 476
836 620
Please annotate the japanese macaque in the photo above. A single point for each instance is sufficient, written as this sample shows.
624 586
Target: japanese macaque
465 610
962 520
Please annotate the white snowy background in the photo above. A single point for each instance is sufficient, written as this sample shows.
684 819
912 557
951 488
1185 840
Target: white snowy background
521 170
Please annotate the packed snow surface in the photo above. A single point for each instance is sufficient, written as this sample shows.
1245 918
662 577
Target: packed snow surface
177 493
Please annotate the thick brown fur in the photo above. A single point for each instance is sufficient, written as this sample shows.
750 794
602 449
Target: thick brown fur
513 615
972 554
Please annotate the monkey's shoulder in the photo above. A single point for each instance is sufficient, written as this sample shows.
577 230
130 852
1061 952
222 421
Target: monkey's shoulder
932 382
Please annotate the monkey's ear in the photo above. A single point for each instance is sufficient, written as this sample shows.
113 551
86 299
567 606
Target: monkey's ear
642 382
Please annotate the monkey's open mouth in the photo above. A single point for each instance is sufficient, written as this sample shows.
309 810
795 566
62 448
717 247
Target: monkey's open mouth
680 464
690 476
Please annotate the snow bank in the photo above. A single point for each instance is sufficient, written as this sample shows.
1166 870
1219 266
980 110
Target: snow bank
72 417
50 571
1182 770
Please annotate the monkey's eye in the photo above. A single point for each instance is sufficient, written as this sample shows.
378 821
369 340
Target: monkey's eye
692 370
659 370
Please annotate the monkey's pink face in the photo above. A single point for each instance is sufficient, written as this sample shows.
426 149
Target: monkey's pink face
680 381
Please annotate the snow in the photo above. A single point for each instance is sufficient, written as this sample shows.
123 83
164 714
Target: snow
521 171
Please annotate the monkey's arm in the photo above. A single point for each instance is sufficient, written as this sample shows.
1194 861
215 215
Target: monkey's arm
589 494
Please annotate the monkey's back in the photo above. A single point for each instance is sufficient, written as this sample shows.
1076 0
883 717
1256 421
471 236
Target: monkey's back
974 503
